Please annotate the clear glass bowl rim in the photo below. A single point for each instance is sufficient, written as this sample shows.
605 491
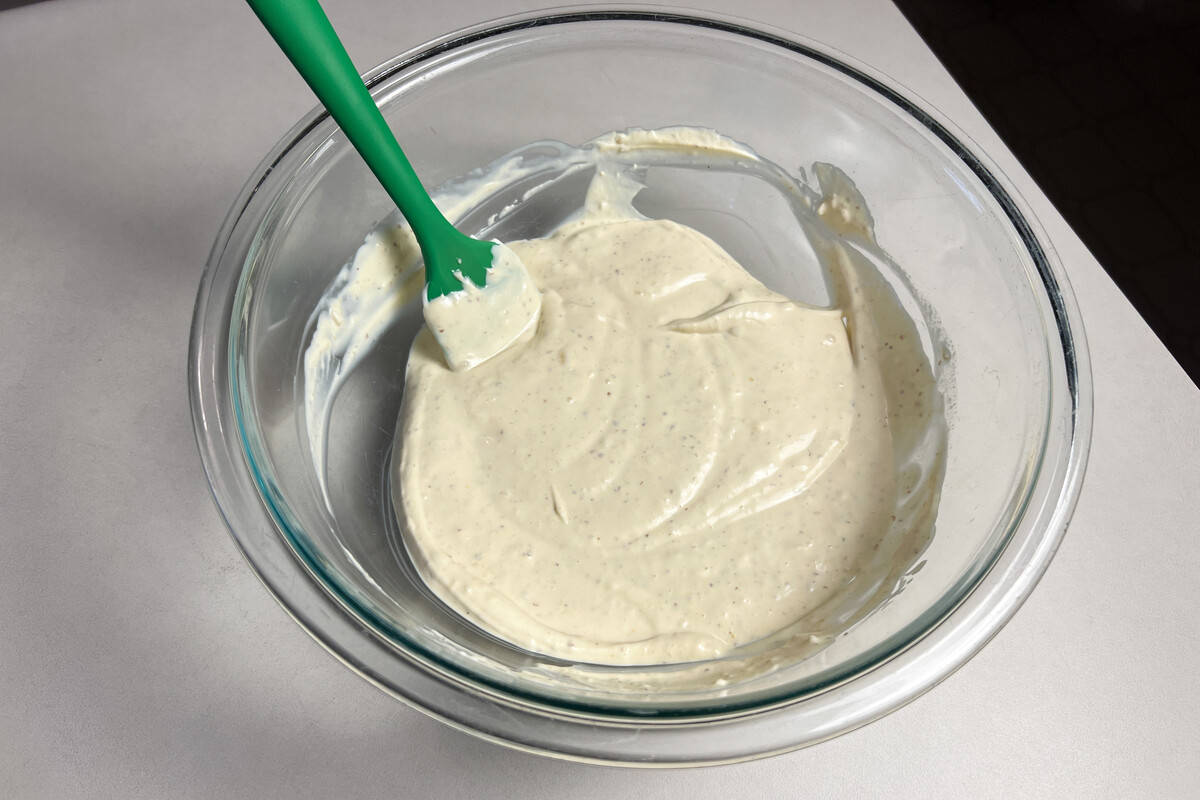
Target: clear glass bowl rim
513 720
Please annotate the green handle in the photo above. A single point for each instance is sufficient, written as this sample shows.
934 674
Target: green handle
305 35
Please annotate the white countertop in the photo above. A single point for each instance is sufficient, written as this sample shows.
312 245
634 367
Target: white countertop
139 655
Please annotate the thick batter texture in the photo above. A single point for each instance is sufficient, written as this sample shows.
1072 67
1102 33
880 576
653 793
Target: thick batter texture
676 462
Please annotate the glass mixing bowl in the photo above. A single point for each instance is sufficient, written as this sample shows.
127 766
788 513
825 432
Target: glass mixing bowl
1002 331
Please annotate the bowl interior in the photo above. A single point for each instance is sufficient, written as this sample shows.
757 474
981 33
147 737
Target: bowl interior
969 275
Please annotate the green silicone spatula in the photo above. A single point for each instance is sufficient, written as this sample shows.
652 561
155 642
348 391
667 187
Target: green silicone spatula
479 298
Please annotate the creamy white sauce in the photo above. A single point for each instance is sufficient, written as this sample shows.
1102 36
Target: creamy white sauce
675 461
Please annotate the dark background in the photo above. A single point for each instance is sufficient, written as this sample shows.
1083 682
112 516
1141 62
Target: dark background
1098 99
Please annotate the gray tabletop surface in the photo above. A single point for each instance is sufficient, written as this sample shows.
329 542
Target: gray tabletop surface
141 658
